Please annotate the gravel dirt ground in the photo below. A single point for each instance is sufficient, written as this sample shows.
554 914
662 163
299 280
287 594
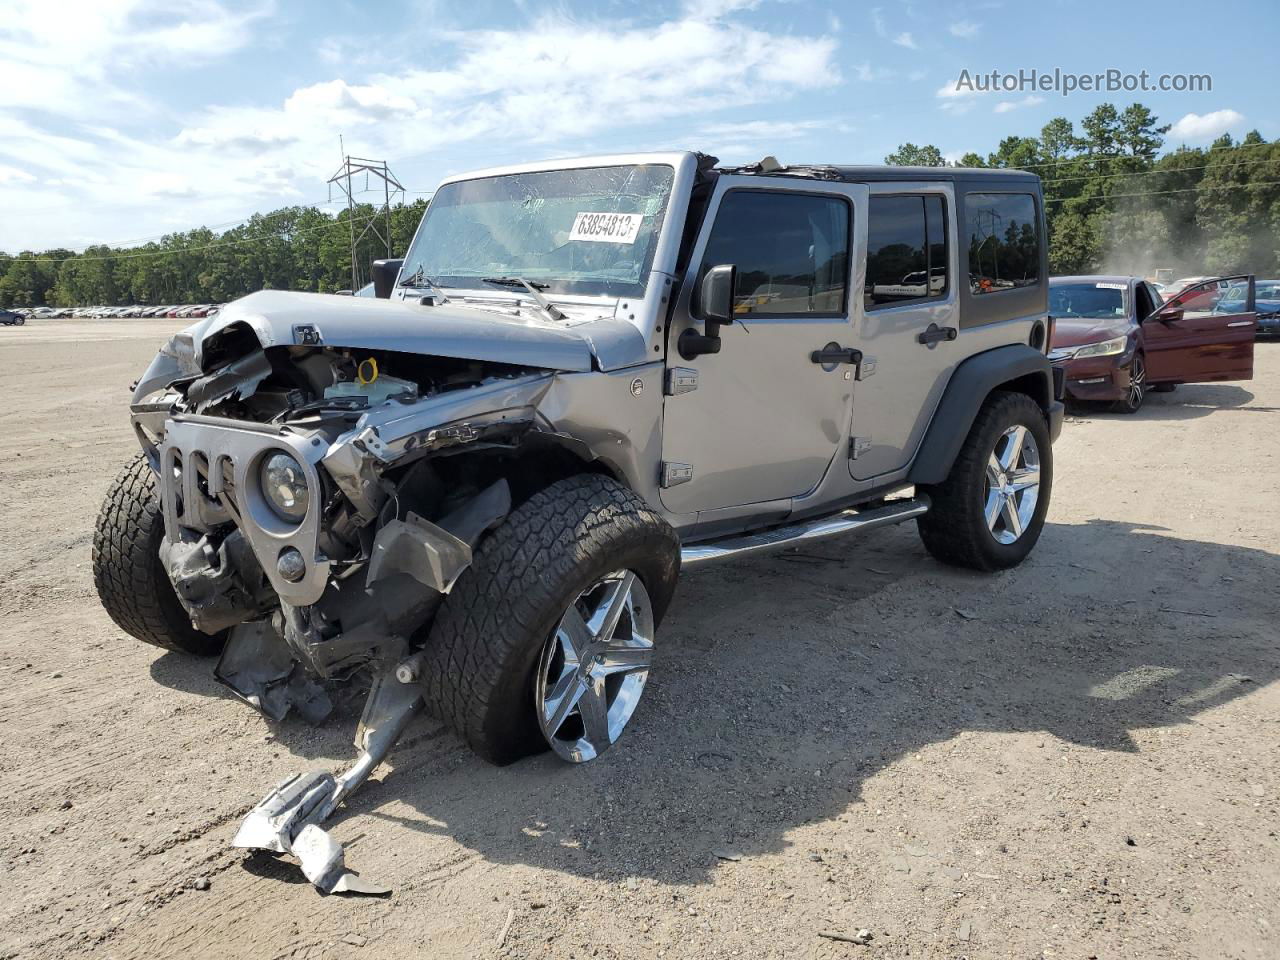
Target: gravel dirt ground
1076 758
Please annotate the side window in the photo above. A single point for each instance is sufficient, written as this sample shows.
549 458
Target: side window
1003 235
791 251
906 250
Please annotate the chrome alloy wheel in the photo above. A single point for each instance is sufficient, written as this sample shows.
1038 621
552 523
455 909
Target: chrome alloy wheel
594 667
1012 484
1137 382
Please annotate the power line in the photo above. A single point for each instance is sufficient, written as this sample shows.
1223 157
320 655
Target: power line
1160 193
1151 173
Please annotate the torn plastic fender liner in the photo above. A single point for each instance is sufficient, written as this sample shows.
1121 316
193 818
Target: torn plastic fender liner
432 556
436 554
237 379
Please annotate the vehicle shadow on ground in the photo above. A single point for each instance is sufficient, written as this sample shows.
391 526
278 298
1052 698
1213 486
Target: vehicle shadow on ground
1190 401
782 667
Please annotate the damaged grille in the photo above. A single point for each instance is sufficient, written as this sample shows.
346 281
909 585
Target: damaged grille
210 476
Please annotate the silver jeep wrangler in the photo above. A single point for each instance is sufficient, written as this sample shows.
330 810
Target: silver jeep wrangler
474 493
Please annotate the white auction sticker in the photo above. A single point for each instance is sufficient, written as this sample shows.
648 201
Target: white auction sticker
606 227
1110 286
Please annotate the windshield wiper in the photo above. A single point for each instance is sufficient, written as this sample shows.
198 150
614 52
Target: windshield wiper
516 282
549 310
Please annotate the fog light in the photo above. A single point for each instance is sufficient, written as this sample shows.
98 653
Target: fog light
1094 380
291 566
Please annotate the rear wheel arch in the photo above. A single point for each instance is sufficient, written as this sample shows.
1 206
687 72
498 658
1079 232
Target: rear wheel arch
1015 368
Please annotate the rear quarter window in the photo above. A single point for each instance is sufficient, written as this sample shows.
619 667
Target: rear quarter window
1002 243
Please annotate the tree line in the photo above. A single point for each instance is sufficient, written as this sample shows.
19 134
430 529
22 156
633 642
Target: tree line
293 248
1114 203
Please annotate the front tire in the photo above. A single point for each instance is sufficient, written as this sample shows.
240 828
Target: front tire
1134 394
494 662
132 583
988 513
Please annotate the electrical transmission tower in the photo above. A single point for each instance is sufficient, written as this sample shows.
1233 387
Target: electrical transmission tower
344 179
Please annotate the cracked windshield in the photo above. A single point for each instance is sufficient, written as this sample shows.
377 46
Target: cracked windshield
588 231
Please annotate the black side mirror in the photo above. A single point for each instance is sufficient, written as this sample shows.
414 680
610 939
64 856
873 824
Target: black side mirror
384 277
715 304
715 298
1167 315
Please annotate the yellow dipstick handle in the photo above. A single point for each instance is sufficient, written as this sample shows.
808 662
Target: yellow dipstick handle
367 372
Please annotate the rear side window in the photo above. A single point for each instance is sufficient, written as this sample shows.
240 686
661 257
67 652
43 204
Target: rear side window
1004 241
791 251
906 250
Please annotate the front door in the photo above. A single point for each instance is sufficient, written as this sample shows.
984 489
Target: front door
1203 333
762 420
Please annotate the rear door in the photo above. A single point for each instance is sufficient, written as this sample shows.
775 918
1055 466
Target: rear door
1203 333
909 228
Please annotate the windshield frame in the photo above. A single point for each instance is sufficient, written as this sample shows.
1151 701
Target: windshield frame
659 259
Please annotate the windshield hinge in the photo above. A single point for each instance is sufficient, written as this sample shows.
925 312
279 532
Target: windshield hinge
680 380
674 474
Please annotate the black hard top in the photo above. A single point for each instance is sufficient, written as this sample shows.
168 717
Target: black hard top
972 176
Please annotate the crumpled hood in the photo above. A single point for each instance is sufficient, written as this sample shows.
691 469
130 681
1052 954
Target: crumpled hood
1074 333
468 333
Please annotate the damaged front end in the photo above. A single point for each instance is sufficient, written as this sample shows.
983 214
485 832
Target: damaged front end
317 509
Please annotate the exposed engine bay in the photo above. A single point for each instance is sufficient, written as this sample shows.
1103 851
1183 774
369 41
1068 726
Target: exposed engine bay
312 507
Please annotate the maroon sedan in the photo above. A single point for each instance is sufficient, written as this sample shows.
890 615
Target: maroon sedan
1115 339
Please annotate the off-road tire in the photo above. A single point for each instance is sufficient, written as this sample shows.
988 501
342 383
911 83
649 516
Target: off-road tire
955 530
131 581
484 646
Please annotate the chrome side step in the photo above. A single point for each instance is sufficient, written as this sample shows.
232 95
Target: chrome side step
794 534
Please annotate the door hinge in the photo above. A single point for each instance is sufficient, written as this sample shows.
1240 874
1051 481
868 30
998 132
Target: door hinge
680 380
674 474
858 446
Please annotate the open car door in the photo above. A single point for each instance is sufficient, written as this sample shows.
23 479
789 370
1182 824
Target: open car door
1203 333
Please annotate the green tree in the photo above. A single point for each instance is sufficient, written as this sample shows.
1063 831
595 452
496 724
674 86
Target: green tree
909 155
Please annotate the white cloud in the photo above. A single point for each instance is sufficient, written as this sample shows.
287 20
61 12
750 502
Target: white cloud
763 131
964 29
14 175
1200 127
905 39
877 23
1006 106
866 73
548 86
716 9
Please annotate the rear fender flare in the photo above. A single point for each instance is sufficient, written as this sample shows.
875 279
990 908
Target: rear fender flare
1015 367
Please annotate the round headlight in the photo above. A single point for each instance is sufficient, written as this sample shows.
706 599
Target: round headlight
285 486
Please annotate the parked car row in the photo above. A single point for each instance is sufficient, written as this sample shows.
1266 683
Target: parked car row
192 310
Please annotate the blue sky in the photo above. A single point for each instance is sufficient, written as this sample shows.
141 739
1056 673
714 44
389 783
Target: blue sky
124 119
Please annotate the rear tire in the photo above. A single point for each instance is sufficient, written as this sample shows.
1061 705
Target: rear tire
483 650
132 583
958 530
